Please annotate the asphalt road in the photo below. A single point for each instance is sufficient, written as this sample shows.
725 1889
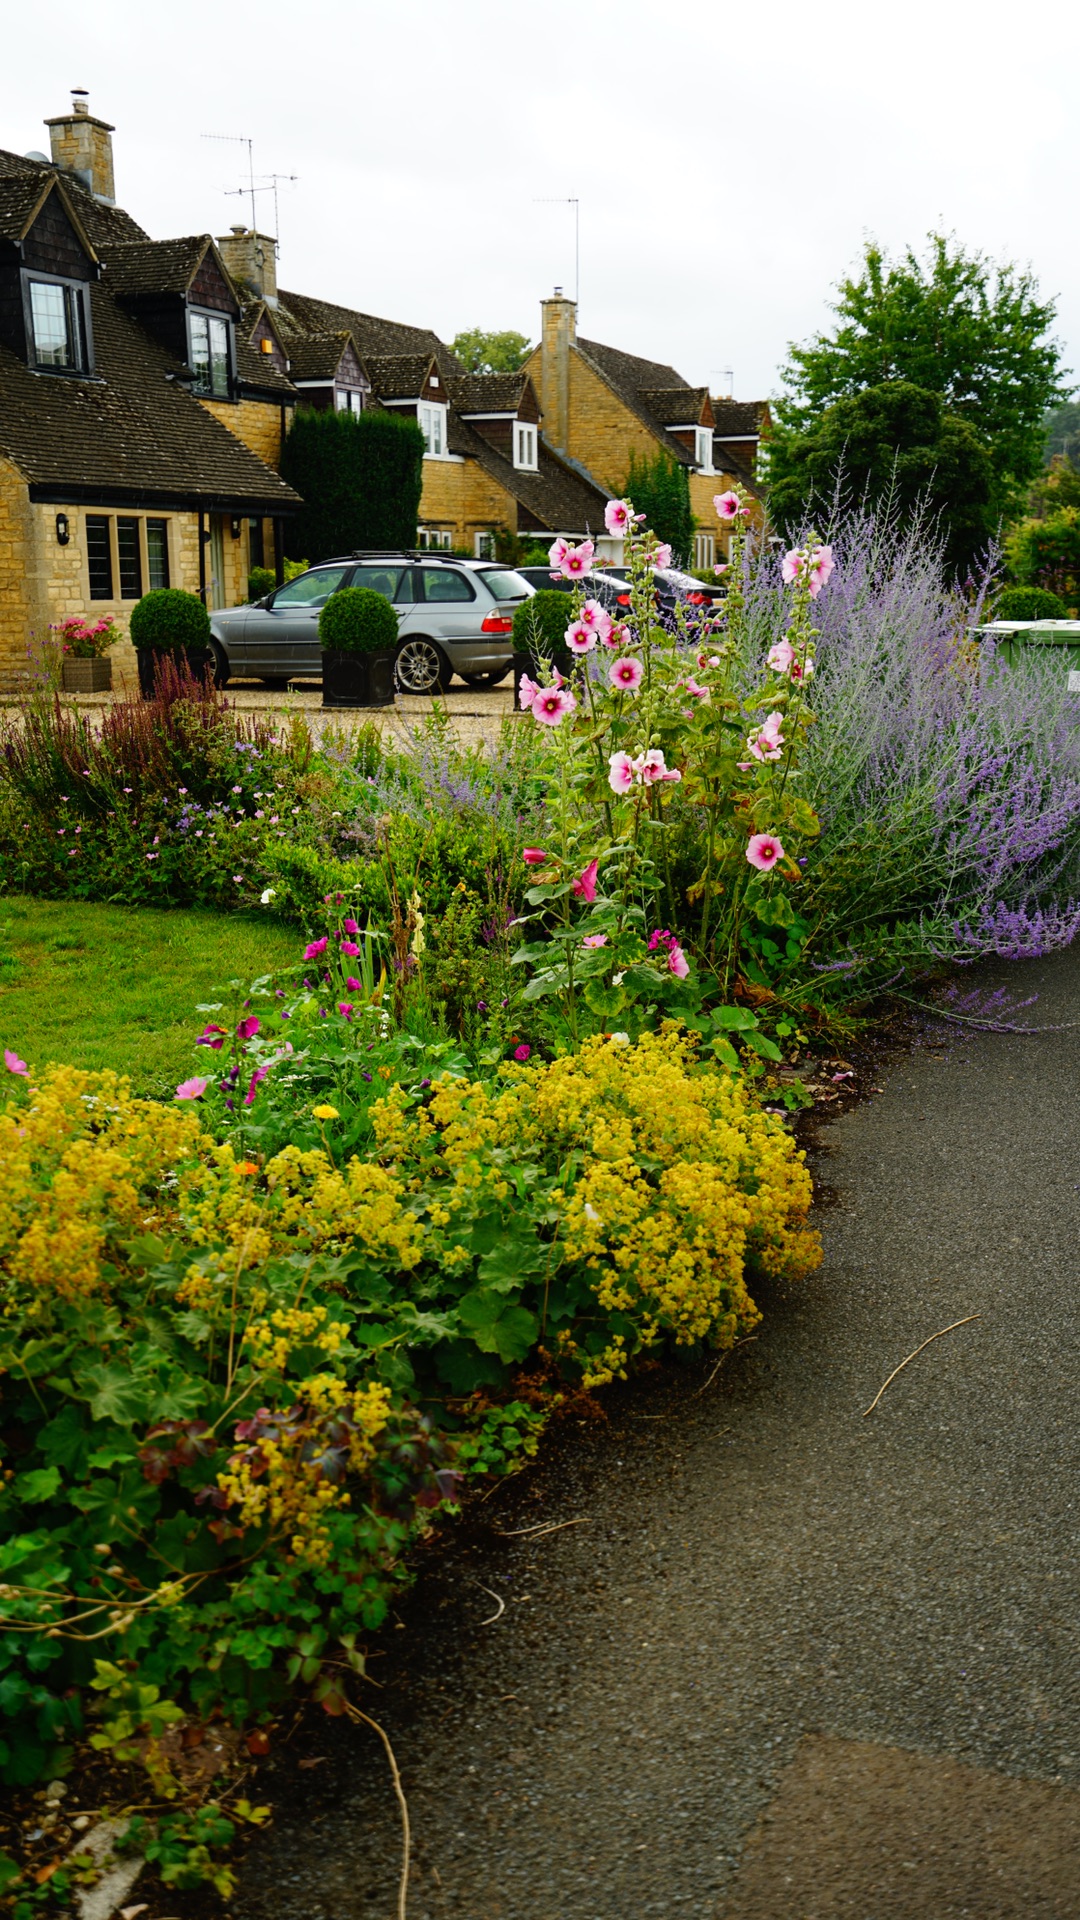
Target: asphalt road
795 1661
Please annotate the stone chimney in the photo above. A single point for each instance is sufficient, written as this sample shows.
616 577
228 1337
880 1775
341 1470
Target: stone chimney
558 334
83 146
252 262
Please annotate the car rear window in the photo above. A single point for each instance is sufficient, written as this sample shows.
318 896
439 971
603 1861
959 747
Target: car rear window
394 583
443 583
505 586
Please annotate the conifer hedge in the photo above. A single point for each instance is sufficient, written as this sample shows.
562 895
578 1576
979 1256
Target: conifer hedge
360 479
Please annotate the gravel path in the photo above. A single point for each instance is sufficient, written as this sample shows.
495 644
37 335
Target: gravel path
761 1566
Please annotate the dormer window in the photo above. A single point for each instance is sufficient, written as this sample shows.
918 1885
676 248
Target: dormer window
348 400
433 427
524 446
58 331
703 448
209 353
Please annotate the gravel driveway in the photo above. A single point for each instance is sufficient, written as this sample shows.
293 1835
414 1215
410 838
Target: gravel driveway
839 1650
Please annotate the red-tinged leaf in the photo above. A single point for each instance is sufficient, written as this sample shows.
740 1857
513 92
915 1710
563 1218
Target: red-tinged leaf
313 1760
258 1742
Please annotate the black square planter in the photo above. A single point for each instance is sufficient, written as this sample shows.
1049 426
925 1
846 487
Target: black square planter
193 660
358 679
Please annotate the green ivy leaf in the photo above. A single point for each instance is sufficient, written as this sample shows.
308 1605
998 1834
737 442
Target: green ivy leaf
39 1484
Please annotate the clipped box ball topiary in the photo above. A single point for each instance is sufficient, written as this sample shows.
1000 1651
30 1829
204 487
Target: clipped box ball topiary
168 618
1030 603
540 624
358 621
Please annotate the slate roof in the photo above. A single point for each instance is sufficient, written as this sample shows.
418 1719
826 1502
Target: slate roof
631 377
156 266
254 368
674 406
300 313
486 392
315 356
739 416
128 434
398 376
104 225
561 498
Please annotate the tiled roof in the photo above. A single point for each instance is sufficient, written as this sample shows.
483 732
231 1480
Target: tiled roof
558 497
105 226
398 376
315 356
739 416
20 196
674 406
631 378
486 392
156 266
129 432
300 313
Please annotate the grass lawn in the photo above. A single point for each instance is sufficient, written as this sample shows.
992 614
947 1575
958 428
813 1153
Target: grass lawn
98 986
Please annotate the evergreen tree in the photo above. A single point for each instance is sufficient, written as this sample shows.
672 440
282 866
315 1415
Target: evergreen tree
660 489
360 477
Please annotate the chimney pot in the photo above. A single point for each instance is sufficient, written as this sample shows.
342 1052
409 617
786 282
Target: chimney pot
82 146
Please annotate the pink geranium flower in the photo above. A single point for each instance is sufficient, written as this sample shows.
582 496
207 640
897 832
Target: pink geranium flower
595 940
726 504
317 946
575 560
247 1029
192 1089
618 516
533 856
522 1052
551 704
763 850
626 675
653 767
615 635
781 657
584 887
580 638
620 773
14 1064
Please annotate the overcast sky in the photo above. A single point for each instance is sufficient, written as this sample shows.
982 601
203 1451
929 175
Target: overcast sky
729 161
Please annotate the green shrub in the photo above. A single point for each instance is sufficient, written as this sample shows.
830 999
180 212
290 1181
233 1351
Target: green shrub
358 621
169 617
360 476
660 489
261 581
1030 603
540 624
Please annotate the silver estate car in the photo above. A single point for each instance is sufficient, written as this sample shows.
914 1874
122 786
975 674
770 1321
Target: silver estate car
454 616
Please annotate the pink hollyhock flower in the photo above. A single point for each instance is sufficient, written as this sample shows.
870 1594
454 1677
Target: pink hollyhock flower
766 741
626 675
781 658
14 1064
584 887
821 565
550 704
726 504
595 940
801 670
576 560
661 555
254 1084
744 766
349 926
653 767
345 1007
533 856
620 773
580 638
350 947
721 568
695 692
618 516
192 1089
763 850
211 1036
594 615
316 947
558 551
615 635
522 1052
529 690
677 961
792 565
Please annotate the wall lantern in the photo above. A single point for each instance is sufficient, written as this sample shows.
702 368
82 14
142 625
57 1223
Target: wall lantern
63 530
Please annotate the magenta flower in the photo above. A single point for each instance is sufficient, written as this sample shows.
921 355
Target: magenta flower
580 638
350 947
618 516
354 986
620 773
652 767
584 887
533 856
763 850
317 946
211 1036
254 1083
595 940
248 1028
551 704
781 657
575 560
626 675
726 504
345 1007
192 1089
349 926
522 1052
616 636
14 1064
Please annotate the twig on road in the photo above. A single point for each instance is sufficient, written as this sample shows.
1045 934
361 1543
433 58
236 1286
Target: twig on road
406 1838
912 1356
500 1606
750 1338
541 1527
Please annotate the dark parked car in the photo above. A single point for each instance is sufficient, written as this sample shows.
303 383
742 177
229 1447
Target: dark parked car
612 588
454 616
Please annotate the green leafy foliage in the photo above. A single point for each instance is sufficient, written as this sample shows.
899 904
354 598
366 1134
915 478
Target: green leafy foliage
360 476
1029 603
540 625
482 352
169 617
358 621
660 489
1046 553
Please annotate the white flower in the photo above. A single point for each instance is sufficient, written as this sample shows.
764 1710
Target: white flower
266 897
591 1213
616 981
621 1039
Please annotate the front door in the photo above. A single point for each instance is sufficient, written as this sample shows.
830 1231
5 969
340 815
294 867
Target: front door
282 639
218 598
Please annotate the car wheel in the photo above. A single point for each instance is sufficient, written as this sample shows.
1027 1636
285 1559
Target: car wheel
421 667
493 678
221 664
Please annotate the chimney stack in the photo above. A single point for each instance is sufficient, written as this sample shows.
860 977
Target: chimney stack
558 334
251 259
83 146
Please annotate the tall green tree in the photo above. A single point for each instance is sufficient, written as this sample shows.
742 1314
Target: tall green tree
899 444
953 323
660 489
1063 432
483 352
360 477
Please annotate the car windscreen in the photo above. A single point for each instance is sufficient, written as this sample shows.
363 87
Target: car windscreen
505 586
310 589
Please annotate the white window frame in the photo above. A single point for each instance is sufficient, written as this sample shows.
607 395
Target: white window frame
703 448
348 400
484 544
432 418
434 539
525 443
704 550
209 319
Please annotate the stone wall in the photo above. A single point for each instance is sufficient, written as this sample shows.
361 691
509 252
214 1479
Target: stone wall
462 496
256 422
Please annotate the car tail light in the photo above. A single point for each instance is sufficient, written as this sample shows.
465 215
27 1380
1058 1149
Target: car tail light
497 623
696 599
622 600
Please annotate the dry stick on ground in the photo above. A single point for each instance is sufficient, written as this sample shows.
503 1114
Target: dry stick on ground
541 1526
500 1606
406 1838
911 1356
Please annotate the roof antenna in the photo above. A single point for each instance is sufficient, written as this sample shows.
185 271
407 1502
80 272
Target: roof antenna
569 200
241 139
